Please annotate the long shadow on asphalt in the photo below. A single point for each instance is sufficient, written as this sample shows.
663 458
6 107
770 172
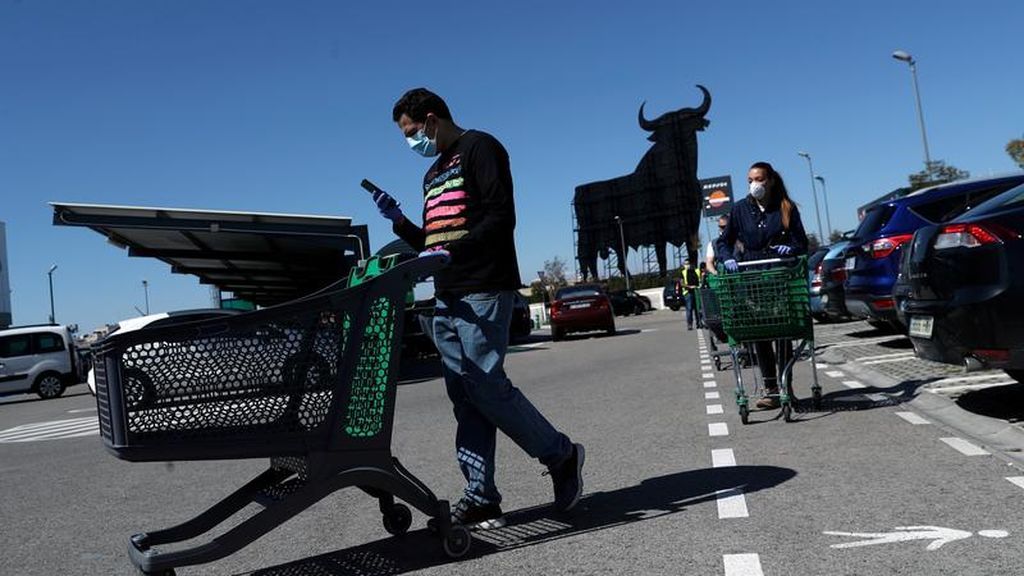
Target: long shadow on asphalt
1004 402
855 400
652 498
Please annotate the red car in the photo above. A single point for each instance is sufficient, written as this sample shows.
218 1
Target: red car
581 308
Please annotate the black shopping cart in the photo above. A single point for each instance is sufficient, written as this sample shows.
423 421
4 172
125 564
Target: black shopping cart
309 384
768 301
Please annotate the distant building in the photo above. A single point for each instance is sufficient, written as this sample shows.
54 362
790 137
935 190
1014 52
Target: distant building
5 283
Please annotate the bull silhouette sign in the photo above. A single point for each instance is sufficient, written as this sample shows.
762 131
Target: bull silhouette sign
658 204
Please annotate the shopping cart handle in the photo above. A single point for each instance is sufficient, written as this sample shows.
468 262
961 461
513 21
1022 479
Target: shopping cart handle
766 261
425 265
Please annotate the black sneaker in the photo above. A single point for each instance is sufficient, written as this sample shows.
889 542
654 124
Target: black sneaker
567 478
477 516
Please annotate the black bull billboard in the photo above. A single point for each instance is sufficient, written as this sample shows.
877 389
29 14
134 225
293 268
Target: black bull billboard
659 203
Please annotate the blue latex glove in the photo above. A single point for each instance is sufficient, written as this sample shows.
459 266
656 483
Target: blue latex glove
784 250
388 206
731 265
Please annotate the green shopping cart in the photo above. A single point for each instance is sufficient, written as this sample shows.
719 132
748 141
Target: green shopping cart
768 301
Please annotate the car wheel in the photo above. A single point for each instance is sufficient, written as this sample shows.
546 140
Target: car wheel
638 309
611 329
1017 375
49 385
556 334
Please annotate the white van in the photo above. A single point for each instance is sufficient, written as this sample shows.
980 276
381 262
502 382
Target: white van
41 359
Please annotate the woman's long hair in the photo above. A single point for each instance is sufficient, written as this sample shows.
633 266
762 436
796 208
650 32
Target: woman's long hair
777 193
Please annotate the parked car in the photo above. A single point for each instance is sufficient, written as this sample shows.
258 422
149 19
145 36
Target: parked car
873 258
626 302
155 320
965 302
672 295
41 359
522 324
833 275
581 308
815 280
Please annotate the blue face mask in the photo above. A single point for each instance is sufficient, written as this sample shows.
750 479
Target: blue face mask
421 144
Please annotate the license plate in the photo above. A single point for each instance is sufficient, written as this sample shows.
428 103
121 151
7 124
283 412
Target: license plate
578 306
921 326
851 262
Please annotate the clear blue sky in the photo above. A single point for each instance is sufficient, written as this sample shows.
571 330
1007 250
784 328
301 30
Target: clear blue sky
284 106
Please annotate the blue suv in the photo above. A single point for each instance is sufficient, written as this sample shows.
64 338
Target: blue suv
873 257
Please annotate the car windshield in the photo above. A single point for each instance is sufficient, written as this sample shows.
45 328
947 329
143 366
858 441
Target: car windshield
577 291
1010 198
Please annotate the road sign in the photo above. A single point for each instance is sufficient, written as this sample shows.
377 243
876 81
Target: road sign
717 195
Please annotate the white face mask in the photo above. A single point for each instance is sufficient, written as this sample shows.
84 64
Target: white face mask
423 145
757 190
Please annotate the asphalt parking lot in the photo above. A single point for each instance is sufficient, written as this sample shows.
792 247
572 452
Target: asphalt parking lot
902 470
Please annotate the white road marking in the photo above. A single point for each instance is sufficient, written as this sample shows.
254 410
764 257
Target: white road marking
707 375
888 360
711 395
53 430
731 504
938 535
877 397
714 409
742 565
884 356
1016 480
722 458
80 410
964 447
979 386
912 418
718 429
834 374
709 383
862 342
853 384
1000 375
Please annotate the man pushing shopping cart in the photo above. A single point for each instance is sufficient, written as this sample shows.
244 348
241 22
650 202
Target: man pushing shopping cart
763 293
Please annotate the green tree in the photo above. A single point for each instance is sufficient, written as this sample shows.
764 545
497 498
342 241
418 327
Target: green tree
812 242
936 172
554 272
1015 148
835 236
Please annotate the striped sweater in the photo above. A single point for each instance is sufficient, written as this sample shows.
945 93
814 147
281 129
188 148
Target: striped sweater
468 209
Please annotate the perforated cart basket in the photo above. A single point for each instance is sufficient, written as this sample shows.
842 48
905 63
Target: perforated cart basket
765 304
317 373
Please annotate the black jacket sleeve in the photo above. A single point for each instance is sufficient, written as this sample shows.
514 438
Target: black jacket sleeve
411 233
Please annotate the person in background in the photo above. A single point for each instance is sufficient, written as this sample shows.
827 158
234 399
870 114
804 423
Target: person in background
469 216
710 261
768 225
691 281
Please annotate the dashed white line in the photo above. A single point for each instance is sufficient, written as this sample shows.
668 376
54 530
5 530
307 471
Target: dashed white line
731 504
709 384
742 565
723 458
834 374
964 447
715 409
979 386
888 360
912 418
711 395
707 375
1016 480
853 384
883 356
718 429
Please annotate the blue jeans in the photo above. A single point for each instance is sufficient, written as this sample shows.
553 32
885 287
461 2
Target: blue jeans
471 333
691 304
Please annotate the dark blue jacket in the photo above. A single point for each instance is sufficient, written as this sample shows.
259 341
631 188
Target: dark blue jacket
759 231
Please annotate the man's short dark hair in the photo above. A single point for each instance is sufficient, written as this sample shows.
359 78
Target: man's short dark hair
419 102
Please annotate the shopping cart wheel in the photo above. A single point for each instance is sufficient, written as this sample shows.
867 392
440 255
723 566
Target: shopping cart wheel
458 541
718 362
398 519
744 413
816 396
167 572
787 412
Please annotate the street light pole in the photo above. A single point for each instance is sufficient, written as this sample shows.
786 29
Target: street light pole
145 288
824 196
905 57
622 239
50 274
814 192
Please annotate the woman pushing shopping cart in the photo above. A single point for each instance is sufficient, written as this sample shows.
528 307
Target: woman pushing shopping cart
763 293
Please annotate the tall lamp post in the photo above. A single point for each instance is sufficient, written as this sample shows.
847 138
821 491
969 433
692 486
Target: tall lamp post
814 192
145 289
824 196
905 57
622 240
50 274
